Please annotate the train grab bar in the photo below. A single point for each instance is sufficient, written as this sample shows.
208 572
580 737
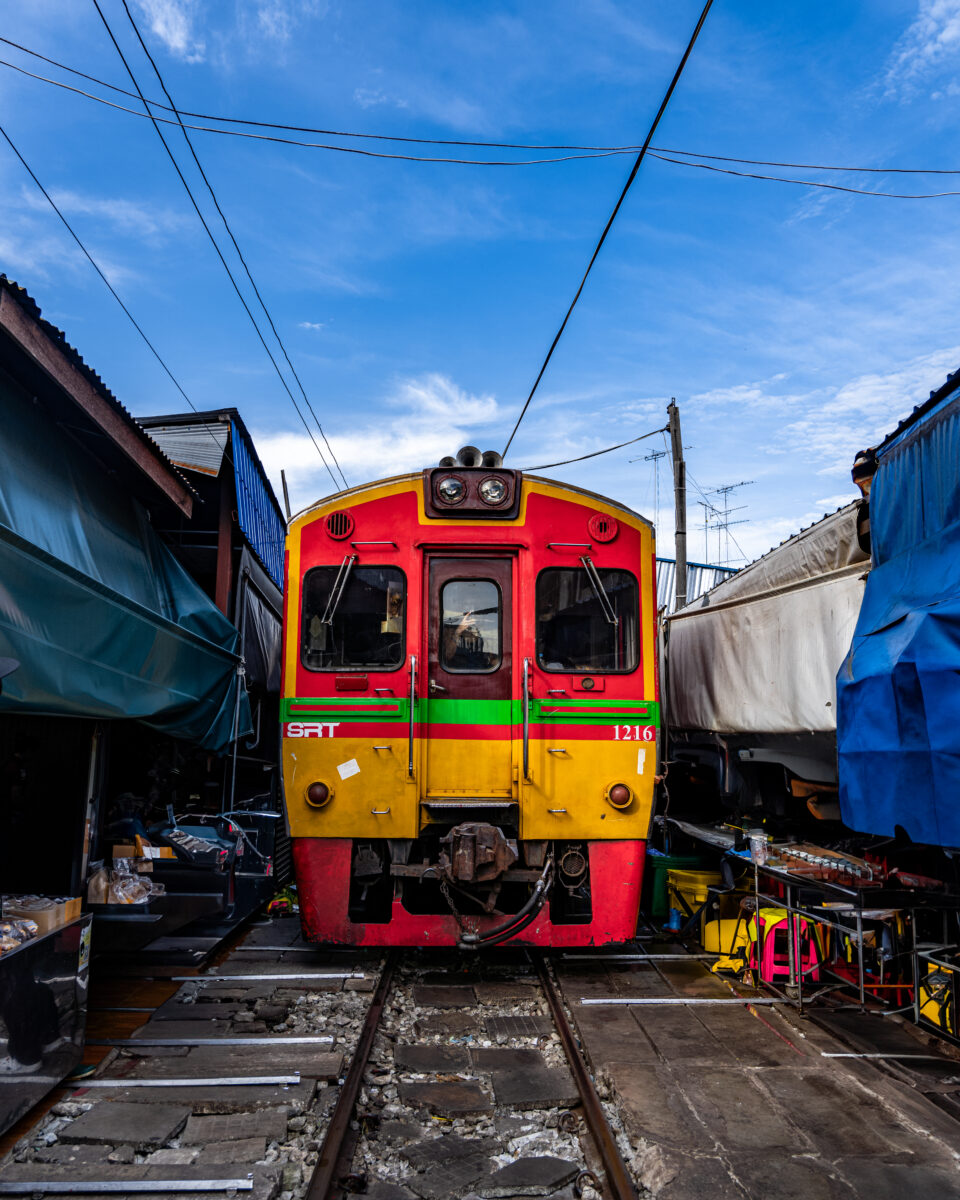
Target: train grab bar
525 709
413 700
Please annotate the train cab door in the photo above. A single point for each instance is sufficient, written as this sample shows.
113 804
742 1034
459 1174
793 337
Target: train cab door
469 660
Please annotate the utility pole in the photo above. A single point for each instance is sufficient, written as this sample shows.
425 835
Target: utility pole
680 498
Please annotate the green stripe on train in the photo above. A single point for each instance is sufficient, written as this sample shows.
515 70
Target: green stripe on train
566 711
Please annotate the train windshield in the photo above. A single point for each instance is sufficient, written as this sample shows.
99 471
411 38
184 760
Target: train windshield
574 630
353 619
471 625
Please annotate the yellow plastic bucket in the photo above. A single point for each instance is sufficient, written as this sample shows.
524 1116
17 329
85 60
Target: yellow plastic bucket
719 936
692 886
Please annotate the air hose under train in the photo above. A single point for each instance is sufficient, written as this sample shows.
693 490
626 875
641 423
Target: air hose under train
518 921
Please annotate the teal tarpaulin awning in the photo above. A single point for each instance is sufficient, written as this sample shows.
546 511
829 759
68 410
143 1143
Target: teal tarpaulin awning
102 618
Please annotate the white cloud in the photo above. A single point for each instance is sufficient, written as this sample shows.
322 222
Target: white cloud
314 326
759 395
424 418
931 42
127 216
172 22
863 411
277 19
829 503
374 97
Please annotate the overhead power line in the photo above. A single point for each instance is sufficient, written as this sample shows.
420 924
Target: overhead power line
226 225
261 137
379 137
589 150
115 294
596 453
616 208
216 247
811 183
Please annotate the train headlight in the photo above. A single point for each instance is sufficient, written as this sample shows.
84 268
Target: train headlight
451 490
619 795
493 490
318 794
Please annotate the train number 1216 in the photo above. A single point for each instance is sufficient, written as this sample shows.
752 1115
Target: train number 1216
633 733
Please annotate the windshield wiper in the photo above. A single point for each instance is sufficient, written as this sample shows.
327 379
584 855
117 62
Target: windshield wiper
596 584
339 587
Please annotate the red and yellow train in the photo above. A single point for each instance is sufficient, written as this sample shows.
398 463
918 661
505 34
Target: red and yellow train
470 710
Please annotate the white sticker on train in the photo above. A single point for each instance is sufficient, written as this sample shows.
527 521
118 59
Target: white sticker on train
345 770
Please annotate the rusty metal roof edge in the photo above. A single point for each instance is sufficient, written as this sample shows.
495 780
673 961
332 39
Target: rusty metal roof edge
224 415
32 309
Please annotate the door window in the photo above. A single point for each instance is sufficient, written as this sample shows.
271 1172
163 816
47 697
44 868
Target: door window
362 628
470 625
574 629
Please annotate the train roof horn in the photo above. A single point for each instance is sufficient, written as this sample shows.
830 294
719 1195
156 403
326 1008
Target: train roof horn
470 456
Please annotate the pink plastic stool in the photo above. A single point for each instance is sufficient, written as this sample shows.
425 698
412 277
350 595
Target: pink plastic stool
775 957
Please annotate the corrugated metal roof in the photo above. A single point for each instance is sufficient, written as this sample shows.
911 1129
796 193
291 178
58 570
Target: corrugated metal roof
701 577
187 438
32 309
198 447
257 509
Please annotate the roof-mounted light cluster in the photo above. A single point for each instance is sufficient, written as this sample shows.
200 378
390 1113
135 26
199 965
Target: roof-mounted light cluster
472 485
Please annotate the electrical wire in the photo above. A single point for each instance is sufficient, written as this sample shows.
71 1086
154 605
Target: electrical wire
811 183
260 137
616 208
582 457
385 137
113 292
93 263
226 225
216 247
599 151
712 506
379 137
762 162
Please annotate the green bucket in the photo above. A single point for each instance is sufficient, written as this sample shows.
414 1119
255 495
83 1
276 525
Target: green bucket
656 901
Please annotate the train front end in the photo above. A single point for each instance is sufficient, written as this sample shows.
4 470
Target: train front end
470 711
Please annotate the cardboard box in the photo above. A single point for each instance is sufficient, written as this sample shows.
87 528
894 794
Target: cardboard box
47 913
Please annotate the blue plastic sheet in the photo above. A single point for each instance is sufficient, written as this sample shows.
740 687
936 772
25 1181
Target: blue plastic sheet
102 618
898 690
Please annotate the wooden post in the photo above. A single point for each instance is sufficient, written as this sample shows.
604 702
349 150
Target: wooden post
680 498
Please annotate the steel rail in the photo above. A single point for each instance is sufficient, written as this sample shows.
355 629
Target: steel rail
619 1180
334 1159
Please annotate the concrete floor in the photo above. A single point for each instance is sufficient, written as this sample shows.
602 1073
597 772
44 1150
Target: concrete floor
737 1101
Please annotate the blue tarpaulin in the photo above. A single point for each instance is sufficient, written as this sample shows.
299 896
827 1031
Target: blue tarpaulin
102 618
898 690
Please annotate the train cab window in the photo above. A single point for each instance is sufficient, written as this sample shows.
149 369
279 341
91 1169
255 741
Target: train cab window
357 624
470 621
574 629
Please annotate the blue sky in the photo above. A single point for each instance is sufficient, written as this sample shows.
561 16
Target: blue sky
417 300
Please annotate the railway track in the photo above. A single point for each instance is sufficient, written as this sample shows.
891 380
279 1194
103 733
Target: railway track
465 1044
463 1077
288 1072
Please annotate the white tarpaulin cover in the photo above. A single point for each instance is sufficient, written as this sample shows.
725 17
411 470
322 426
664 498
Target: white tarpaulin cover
761 651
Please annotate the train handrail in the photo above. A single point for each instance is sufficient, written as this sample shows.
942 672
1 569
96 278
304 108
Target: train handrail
413 700
525 709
